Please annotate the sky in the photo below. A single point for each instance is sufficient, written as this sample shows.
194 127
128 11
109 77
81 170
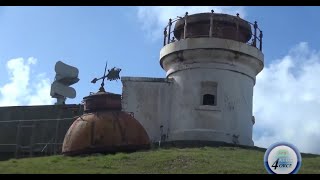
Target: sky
286 95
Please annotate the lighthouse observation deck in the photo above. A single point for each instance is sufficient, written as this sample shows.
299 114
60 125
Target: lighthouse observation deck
215 25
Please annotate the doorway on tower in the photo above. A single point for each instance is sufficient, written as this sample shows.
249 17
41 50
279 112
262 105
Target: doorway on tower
209 93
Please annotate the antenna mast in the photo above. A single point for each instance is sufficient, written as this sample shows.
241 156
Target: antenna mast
101 89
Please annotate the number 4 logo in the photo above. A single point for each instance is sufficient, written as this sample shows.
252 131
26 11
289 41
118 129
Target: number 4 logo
275 164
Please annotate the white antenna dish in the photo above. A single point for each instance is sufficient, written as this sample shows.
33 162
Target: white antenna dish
60 89
66 75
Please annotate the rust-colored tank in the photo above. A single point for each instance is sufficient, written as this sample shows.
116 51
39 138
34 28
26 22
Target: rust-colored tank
104 128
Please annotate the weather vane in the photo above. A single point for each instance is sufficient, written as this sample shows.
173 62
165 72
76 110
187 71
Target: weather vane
113 74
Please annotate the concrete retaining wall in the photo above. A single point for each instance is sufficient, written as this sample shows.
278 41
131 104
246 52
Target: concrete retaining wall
39 126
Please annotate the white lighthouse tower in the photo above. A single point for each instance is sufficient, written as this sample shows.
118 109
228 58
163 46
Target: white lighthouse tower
211 62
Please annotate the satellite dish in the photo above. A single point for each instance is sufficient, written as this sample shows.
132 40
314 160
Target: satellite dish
62 90
66 75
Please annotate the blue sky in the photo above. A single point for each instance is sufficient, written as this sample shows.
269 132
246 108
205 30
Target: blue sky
33 39
84 37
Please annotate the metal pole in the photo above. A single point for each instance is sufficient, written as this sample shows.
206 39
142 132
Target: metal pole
169 33
255 33
165 36
261 40
55 149
18 141
32 139
211 23
237 26
185 26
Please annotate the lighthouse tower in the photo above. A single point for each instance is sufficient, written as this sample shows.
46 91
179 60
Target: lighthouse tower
211 62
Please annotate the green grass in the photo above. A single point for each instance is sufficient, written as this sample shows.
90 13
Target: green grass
173 160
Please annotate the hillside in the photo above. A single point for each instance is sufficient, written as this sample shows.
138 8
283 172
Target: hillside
172 160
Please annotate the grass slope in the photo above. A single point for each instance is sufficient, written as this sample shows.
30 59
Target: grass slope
173 160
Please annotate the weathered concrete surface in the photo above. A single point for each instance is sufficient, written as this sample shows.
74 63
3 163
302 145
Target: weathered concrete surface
212 50
224 68
233 66
149 99
230 118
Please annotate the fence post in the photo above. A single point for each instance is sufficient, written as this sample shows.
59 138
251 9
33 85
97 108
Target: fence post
211 23
56 140
255 34
185 26
165 36
261 40
169 29
237 26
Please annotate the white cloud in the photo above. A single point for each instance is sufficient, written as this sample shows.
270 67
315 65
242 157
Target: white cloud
155 18
42 93
20 90
287 100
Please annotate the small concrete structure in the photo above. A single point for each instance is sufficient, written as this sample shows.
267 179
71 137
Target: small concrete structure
149 100
208 89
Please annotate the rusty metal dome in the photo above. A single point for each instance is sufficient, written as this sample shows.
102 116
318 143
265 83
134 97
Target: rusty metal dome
104 128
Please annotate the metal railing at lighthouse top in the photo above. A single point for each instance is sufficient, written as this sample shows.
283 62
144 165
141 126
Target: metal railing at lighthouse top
255 40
